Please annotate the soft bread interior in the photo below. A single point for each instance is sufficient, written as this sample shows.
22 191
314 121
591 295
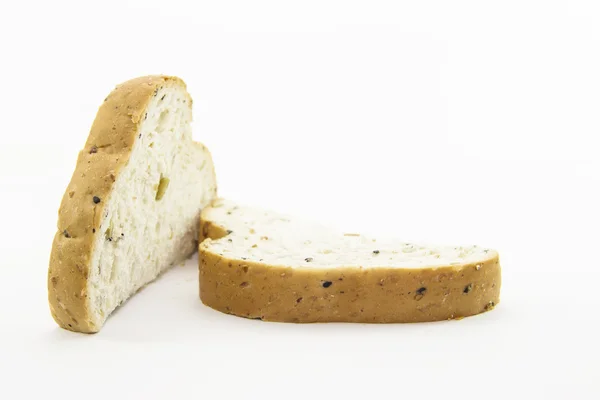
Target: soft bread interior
150 219
271 238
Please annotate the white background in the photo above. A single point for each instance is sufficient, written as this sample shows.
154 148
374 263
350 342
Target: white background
438 121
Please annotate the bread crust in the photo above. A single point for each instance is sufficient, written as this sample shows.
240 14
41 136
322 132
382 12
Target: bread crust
350 294
106 152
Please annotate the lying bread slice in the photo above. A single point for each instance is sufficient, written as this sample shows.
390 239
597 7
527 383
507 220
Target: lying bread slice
261 264
132 207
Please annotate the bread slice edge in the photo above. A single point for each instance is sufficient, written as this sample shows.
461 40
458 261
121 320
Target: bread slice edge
282 293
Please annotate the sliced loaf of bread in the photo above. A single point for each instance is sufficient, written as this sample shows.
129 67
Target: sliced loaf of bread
132 206
261 264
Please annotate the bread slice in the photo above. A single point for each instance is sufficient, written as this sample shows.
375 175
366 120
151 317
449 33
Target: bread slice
261 264
132 207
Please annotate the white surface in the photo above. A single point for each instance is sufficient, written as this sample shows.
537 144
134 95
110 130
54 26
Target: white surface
268 237
436 121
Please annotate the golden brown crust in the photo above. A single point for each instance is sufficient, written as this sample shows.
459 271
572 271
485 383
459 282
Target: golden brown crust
367 295
106 152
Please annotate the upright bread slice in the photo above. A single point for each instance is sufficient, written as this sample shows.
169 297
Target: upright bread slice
132 207
261 264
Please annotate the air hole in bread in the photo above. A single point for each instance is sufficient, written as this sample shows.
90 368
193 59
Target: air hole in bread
163 120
